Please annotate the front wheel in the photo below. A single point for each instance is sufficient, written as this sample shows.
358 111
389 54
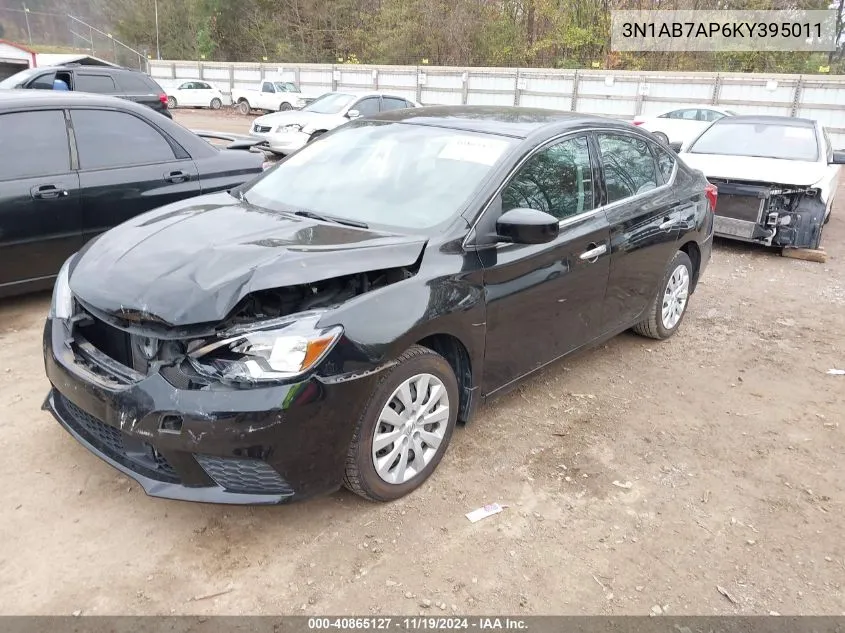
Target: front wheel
405 429
171 102
243 106
285 106
666 312
216 104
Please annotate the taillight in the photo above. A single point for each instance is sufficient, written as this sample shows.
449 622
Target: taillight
638 122
266 165
163 98
712 193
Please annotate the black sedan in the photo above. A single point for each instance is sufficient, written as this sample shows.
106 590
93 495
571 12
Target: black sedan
73 165
329 322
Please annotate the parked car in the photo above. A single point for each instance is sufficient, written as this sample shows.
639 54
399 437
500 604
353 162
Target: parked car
195 94
132 85
270 96
60 190
331 320
679 125
776 176
286 132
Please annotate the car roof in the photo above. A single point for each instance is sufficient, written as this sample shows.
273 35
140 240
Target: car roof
769 120
13 99
515 121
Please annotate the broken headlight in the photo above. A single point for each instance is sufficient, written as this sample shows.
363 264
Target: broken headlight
61 306
266 352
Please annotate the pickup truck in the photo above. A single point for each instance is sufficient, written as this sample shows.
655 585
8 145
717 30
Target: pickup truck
270 96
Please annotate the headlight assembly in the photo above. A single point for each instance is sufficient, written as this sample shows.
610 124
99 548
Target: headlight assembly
61 306
266 352
291 127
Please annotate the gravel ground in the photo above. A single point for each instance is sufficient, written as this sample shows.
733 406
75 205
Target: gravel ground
730 435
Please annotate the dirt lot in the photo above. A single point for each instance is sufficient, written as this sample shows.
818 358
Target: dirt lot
731 435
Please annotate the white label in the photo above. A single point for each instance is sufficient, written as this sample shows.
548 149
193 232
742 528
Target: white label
472 149
521 83
771 85
483 513
281 70
608 81
644 88
421 79
336 75
798 132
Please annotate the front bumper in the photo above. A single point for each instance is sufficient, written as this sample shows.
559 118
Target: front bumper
244 446
281 142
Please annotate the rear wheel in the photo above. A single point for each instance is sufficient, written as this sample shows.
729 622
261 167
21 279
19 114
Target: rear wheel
216 104
285 106
243 106
666 312
171 102
662 137
405 428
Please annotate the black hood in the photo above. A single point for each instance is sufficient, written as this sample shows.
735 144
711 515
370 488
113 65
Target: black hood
193 261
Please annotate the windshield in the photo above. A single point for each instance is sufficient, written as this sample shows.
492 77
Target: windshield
285 86
763 140
18 78
329 103
389 174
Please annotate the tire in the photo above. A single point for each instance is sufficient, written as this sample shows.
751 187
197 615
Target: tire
243 106
285 106
216 104
361 475
662 138
171 102
654 325
316 135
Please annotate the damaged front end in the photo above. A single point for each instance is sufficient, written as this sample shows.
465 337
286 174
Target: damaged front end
772 214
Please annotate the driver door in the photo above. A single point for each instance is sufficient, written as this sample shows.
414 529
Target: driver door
545 300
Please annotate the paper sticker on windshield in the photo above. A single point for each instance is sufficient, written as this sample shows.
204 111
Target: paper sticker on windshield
473 149
797 132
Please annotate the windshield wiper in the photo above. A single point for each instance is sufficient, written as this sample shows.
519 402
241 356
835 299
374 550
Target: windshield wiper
328 218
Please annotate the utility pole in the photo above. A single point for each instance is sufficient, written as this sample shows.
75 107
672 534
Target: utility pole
26 17
158 50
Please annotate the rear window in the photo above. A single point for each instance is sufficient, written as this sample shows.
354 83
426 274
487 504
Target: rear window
760 140
136 83
101 84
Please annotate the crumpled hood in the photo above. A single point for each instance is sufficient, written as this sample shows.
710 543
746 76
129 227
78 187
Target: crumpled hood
309 121
767 170
191 262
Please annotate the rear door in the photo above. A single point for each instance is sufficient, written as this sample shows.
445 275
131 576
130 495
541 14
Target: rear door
645 218
40 212
368 106
127 166
545 300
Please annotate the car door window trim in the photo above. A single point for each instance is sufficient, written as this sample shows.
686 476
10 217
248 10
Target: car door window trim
582 216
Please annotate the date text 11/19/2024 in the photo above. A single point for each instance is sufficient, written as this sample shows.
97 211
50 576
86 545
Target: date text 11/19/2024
427 623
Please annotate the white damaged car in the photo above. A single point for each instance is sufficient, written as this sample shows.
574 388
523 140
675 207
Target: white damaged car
776 177
285 132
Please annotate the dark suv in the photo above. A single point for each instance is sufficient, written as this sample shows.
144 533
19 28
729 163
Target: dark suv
106 80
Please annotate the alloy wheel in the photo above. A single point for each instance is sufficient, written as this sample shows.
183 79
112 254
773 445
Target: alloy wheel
410 428
675 297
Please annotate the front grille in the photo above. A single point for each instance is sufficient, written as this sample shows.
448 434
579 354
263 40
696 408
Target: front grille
261 128
114 343
245 476
119 446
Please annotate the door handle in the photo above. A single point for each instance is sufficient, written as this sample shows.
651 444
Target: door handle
669 222
176 176
47 192
594 253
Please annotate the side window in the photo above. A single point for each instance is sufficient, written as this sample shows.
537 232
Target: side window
43 82
267 87
393 103
199 85
138 83
366 107
102 137
33 144
687 115
628 166
557 180
101 84
665 162
185 86
710 115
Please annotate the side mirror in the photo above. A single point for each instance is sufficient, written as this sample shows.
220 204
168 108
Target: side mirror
676 146
353 114
838 157
527 226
